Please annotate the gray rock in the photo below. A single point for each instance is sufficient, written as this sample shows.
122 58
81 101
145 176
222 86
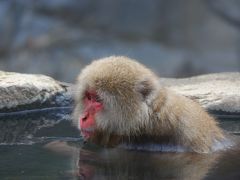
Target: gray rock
26 92
215 92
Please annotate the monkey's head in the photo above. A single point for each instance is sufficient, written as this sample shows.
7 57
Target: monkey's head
113 96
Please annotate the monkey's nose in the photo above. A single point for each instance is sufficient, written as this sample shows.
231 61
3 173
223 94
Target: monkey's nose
85 116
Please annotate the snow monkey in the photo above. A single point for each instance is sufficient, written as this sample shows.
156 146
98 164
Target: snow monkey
119 102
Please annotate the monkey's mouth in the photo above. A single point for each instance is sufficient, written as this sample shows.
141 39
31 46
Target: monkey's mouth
87 132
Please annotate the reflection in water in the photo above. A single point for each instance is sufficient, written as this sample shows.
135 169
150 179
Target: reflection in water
68 158
102 163
122 164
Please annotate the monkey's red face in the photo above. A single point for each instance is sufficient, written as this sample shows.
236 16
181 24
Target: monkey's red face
92 105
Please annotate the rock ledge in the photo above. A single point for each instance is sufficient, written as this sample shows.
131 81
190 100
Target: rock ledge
26 91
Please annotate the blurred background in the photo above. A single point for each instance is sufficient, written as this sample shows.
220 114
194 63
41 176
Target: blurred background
176 38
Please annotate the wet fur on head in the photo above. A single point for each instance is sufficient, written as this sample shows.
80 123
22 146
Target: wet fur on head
116 80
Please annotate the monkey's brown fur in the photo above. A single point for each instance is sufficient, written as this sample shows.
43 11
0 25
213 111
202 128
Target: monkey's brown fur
137 108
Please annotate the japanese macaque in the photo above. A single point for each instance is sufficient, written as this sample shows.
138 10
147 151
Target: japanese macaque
120 102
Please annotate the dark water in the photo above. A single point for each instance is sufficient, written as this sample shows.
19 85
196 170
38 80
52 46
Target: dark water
68 158
65 159
32 162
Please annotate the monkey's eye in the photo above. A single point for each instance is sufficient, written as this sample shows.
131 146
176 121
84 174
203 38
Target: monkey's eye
98 99
93 97
88 96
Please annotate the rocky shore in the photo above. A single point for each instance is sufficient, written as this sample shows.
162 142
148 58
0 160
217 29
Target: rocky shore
30 102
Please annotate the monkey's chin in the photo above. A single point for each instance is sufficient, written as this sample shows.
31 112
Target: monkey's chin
87 133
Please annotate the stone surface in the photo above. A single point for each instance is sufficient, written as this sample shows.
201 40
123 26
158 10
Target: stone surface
25 92
215 92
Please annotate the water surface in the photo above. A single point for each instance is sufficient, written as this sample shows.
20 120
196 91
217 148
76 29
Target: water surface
55 157
66 159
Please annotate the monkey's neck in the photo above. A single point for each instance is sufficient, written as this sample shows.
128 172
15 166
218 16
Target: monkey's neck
112 140
153 143
165 143
148 139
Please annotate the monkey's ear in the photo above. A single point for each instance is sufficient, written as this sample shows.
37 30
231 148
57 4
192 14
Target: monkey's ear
144 87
